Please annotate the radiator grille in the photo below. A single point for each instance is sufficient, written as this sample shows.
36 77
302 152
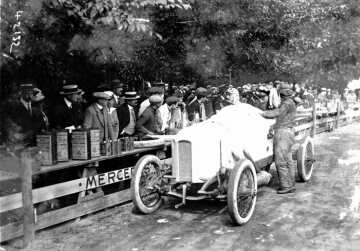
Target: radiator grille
185 160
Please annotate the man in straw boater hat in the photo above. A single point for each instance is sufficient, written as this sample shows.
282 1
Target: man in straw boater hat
21 118
97 117
67 114
127 114
284 138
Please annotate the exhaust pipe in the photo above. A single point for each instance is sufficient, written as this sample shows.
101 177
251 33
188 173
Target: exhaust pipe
263 178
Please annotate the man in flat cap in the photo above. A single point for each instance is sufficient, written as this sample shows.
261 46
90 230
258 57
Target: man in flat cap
21 119
165 111
284 138
66 114
146 123
155 90
97 117
196 106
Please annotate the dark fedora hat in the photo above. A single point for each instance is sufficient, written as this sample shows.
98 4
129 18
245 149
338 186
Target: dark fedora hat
70 89
131 95
116 83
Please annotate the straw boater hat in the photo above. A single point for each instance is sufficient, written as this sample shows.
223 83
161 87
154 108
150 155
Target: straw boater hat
27 87
131 95
101 95
70 89
110 94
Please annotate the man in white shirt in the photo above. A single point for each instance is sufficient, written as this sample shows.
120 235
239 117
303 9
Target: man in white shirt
274 97
165 112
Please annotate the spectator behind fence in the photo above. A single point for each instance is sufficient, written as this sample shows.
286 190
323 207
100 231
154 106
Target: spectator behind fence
146 123
38 100
196 107
127 114
156 90
21 119
66 113
165 112
98 117
113 113
117 88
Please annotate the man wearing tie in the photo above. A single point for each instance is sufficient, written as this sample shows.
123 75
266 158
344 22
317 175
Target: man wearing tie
117 88
127 114
98 117
66 114
21 121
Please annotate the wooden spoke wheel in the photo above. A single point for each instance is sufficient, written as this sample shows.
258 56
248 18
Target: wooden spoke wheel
242 192
146 179
305 159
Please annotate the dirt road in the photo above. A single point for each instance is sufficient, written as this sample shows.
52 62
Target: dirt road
323 214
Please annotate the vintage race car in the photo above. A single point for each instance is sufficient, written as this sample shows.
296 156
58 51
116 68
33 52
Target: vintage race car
226 157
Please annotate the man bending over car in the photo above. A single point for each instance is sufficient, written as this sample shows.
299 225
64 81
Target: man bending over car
284 138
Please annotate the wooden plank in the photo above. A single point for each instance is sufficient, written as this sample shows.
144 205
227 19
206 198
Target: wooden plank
28 207
314 121
74 163
14 230
13 201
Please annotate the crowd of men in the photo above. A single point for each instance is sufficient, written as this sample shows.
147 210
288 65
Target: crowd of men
159 110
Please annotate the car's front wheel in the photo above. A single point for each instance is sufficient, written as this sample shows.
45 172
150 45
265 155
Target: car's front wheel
242 192
144 183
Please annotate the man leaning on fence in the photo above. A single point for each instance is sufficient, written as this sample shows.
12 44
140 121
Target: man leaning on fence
284 138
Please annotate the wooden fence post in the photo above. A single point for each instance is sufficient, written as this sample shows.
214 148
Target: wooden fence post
27 201
314 120
338 115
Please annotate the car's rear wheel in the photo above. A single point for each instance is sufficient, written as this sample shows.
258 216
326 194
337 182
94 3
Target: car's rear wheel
146 177
305 159
242 192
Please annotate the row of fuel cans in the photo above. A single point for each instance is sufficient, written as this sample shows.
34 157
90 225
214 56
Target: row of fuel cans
80 144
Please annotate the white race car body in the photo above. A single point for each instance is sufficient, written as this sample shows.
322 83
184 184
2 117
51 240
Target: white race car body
199 151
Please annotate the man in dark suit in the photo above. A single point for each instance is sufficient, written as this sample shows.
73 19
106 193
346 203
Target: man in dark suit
22 119
67 113
117 88
127 114
196 106
146 123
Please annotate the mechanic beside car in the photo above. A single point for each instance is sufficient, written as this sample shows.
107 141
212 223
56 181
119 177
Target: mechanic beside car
284 138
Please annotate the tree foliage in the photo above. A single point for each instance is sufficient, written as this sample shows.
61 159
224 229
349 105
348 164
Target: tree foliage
88 42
